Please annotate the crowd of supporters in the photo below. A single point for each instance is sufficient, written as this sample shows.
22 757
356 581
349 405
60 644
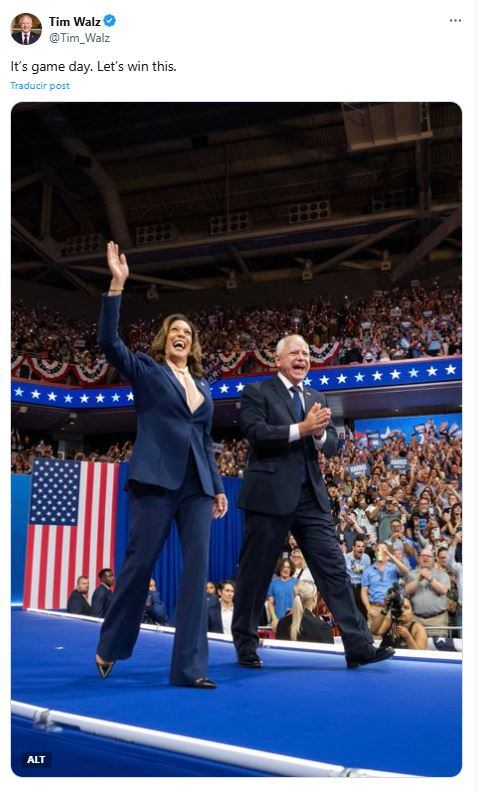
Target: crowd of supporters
387 325
411 509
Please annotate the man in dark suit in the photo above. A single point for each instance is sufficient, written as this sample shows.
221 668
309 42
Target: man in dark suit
77 603
25 35
287 423
220 610
101 598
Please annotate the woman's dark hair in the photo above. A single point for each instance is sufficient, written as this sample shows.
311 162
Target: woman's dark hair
453 509
280 564
157 349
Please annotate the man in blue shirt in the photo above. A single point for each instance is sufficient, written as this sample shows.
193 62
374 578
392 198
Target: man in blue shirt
377 579
357 561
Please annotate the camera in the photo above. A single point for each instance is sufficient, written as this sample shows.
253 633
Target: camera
396 595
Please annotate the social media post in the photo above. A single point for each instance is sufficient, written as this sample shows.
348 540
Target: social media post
238 407
219 51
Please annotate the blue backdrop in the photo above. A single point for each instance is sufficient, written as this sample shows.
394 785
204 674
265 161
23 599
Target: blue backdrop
225 541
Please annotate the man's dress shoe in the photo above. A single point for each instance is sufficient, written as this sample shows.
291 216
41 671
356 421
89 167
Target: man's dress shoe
249 660
368 655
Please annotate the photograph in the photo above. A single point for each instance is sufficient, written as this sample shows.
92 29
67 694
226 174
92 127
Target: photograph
236 438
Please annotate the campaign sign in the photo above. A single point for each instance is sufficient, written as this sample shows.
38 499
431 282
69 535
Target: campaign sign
355 470
374 440
400 464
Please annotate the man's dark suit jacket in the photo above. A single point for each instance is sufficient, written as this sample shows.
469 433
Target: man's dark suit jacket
78 604
19 38
313 629
101 599
167 430
275 464
214 616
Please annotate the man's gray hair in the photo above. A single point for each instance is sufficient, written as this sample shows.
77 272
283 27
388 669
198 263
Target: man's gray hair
281 344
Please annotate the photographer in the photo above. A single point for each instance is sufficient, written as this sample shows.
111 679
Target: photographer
376 580
396 623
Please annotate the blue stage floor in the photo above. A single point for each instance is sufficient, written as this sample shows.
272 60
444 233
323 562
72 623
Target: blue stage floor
307 705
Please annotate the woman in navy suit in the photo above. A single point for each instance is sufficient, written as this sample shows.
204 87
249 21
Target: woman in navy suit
172 475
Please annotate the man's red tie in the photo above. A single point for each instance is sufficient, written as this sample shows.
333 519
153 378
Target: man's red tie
25 40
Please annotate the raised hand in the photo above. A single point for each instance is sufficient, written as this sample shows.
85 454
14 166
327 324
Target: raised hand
118 266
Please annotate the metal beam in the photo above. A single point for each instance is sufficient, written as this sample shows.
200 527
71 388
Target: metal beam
26 181
143 278
243 266
413 259
47 248
376 237
88 288
46 210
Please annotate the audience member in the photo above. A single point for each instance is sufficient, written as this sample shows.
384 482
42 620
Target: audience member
427 588
280 593
402 630
155 611
357 561
220 612
377 579
77 604
101 597
301 623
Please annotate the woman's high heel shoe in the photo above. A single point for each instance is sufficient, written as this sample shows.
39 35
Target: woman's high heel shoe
104 668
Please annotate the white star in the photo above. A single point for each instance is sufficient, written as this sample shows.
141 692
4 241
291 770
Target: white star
84 399
431 371
377 376
307 381
35 394
324 380
224 389
342 378
130 396
413 373
100 398
68 398
359 377
395 374
115 397
51 396
240 387
450 370
20 392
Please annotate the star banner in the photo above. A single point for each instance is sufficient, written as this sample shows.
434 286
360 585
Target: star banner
424 370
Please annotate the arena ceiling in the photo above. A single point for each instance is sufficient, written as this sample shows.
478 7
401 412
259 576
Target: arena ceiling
195 192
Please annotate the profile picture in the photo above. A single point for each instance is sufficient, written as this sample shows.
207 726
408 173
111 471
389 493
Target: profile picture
26 29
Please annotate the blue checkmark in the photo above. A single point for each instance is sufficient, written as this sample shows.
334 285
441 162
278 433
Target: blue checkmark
109 20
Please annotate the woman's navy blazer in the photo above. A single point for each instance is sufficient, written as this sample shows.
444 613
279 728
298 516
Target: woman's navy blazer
166 428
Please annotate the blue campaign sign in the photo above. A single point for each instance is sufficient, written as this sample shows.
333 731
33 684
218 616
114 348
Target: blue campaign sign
415 427
356 470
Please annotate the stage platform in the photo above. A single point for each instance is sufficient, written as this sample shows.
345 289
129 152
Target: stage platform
303 714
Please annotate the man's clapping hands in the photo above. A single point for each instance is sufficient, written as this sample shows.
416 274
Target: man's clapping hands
316 421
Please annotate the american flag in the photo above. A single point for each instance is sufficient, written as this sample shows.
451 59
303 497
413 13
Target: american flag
71 528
